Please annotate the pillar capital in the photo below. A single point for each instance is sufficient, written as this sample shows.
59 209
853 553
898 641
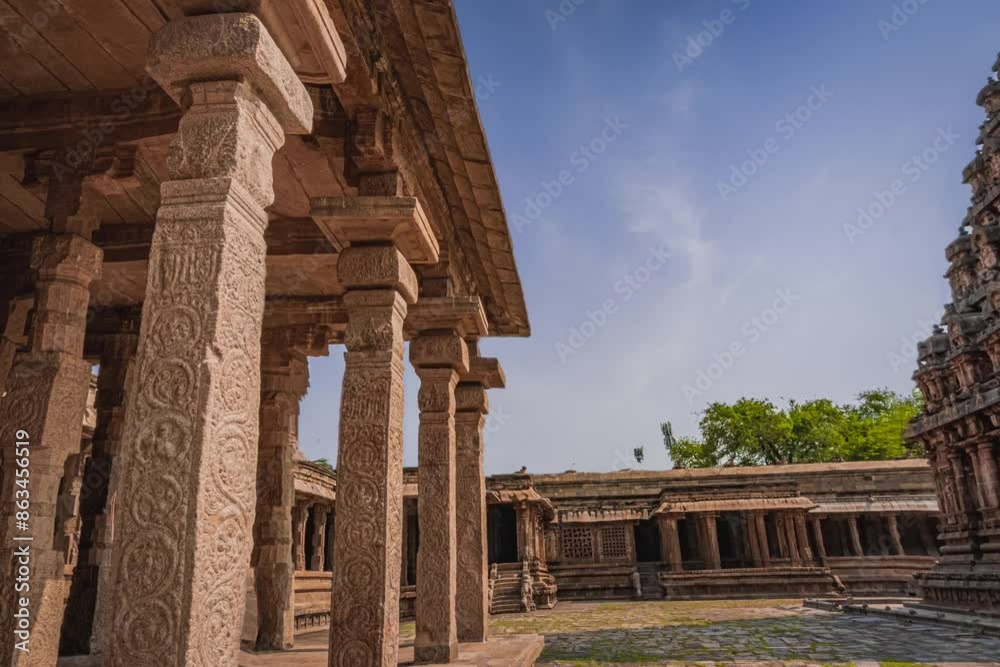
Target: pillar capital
463 315
373 268
223 48
438 351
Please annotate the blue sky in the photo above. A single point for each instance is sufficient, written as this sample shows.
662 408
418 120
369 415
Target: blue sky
706 241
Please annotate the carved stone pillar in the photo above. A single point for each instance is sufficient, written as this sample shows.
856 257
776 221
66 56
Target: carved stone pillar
989 478
300 517
711 559
802 533
387 230
438 359
892 523
760 522
670 544
189 492
749 536
525 532
817 526
364 628
284 380
787 523
472 406
320 516
89 610
42 420
852 526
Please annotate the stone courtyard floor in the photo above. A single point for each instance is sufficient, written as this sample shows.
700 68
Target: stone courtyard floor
588 634
744 631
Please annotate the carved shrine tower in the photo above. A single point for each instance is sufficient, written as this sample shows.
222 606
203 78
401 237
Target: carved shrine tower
959 376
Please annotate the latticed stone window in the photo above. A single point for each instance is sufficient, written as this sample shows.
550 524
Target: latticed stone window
577 543
613 542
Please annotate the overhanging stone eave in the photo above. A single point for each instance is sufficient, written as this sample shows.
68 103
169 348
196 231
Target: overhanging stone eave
503 292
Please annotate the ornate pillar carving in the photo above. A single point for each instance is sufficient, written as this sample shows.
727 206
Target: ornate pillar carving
439 355
284 380
670 544
89 608
42 419
892 523
364 628
711 559
438 359
186 529
472 406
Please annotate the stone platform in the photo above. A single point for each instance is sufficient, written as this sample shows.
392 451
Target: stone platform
504 651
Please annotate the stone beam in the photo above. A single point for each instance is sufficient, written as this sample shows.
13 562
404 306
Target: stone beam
302 29
86 121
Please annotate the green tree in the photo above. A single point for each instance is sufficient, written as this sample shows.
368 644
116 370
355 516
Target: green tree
323 463
754 431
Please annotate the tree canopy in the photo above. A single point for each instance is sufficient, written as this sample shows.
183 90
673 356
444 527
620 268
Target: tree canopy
753 431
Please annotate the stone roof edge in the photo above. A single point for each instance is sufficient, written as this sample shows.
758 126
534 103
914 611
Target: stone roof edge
518 310
734 471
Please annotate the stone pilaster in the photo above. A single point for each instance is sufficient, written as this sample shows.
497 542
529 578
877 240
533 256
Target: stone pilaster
438 358
670 544
320 515
364 627
44 407
188 483
284 381
88 612
472 406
